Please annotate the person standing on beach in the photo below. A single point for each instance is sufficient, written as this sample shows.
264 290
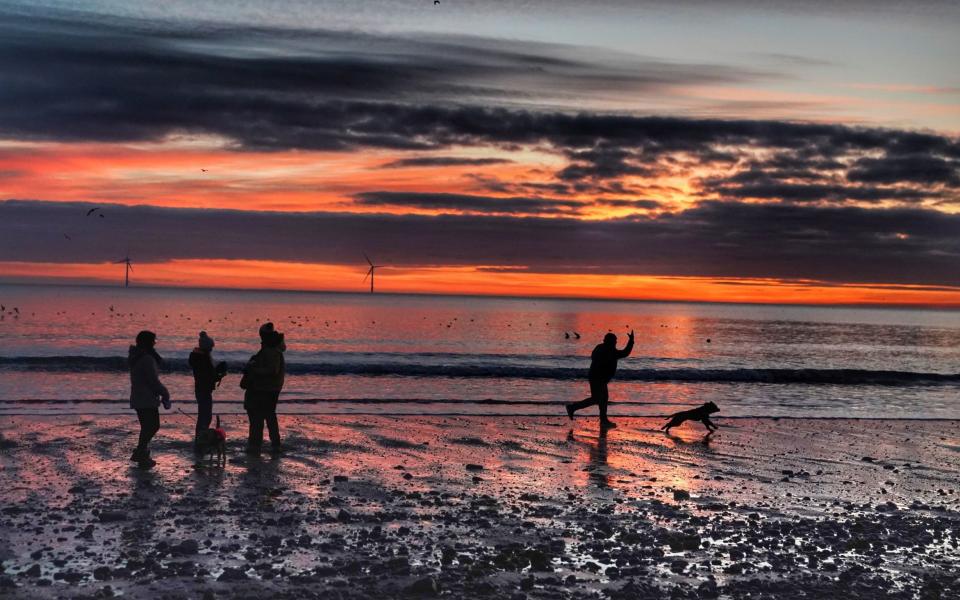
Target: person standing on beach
146 393
262 382
206 377
603 366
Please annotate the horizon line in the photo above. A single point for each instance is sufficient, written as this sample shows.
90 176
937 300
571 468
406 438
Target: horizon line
877 305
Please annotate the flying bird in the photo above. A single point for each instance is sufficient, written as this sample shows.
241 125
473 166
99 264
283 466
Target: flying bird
67 236
93 210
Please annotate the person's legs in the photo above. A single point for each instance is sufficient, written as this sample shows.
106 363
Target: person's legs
204 410
603 401
149 419
602 396
256 428
270 415
590 401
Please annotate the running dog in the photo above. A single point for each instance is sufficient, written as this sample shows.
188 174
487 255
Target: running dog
213 441
701 414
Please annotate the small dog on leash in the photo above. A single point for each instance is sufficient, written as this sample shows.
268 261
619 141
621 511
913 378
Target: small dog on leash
701 413
213 441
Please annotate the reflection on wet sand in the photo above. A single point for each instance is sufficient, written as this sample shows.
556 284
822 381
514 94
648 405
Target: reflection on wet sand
472 506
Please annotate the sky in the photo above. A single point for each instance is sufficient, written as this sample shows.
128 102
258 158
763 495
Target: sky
728 150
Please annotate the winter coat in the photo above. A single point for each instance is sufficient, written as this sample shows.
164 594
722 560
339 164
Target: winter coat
204 373
146 391
265 370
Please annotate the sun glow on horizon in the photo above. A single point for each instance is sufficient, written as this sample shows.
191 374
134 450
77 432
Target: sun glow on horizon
480 280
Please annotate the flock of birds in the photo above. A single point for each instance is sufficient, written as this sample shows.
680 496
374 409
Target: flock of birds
294 320
95 211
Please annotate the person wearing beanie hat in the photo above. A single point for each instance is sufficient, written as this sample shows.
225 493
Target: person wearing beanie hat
206 377
146 393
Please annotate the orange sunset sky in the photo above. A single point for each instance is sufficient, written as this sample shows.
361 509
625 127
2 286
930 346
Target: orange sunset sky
524 154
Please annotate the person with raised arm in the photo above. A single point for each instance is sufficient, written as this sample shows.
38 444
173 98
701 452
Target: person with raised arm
603 366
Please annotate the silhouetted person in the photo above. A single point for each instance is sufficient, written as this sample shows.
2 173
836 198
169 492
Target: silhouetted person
603 365
146 393
263 380
206 377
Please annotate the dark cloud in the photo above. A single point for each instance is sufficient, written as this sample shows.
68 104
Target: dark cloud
444 161
814 192
128 80
280 89
715 239
605 161
470 203
906 169
630 203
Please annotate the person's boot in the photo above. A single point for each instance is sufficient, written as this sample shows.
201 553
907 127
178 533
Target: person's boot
145 462
607 424
135 457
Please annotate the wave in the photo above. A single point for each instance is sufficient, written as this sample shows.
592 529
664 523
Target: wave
519 371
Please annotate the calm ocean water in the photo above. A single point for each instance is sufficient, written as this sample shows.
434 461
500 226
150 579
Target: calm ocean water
359 353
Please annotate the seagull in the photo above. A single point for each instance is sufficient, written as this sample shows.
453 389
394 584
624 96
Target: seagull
436 1
566 335
204 170
101 215
93 210
67 236
576 334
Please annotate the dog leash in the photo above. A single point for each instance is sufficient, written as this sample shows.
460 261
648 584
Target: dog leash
188 415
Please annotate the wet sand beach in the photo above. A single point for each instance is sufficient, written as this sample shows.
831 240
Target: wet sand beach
362 507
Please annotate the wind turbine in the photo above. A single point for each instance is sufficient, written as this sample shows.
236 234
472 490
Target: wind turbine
371 271
125 261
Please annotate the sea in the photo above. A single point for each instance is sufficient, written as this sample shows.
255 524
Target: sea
63 351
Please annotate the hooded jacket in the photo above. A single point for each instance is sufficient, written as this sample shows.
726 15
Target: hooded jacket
146 391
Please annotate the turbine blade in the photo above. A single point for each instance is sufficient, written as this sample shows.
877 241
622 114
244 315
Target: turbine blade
370 262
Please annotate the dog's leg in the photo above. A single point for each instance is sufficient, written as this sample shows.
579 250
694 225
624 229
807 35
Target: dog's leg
710 424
